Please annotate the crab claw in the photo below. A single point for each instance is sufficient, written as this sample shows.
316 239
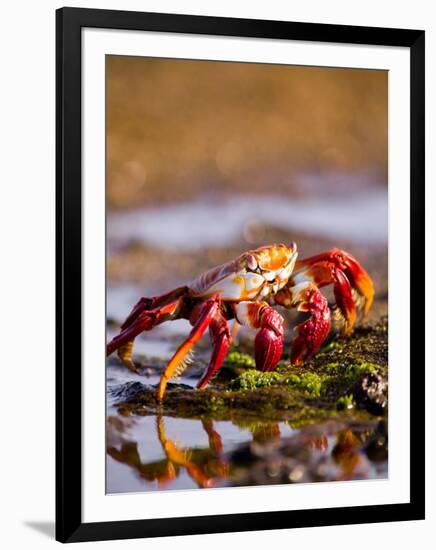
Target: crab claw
268 344
313 332
352 284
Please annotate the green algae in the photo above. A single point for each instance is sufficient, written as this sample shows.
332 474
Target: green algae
309 382
253 379
355 370
235 359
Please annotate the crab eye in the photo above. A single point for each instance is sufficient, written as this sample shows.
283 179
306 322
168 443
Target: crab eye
251 262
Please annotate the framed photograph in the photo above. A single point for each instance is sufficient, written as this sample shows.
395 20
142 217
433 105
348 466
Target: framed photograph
240 241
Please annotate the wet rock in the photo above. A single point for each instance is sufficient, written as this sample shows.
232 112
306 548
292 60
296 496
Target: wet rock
175 386
129 390
371 393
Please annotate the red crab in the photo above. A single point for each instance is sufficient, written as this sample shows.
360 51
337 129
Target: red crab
245 289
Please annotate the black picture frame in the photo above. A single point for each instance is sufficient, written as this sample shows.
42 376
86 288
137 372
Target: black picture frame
69 22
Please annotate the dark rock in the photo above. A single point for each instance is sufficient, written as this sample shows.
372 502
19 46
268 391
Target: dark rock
129 390
371 393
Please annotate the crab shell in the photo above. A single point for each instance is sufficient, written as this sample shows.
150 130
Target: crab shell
252 276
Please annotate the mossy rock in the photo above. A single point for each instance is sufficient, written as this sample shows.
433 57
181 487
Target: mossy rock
319 389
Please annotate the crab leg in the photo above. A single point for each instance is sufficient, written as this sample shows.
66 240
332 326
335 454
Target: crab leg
146 304
268 345
220 335
201 319
307 297
143 320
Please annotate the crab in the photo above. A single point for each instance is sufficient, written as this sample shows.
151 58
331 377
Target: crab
246 289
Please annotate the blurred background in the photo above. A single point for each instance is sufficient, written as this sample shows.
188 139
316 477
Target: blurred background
206 160
179 128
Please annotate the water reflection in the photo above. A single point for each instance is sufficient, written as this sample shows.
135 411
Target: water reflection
346 454
262 455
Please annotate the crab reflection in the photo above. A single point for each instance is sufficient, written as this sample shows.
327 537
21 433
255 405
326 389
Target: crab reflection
202 465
